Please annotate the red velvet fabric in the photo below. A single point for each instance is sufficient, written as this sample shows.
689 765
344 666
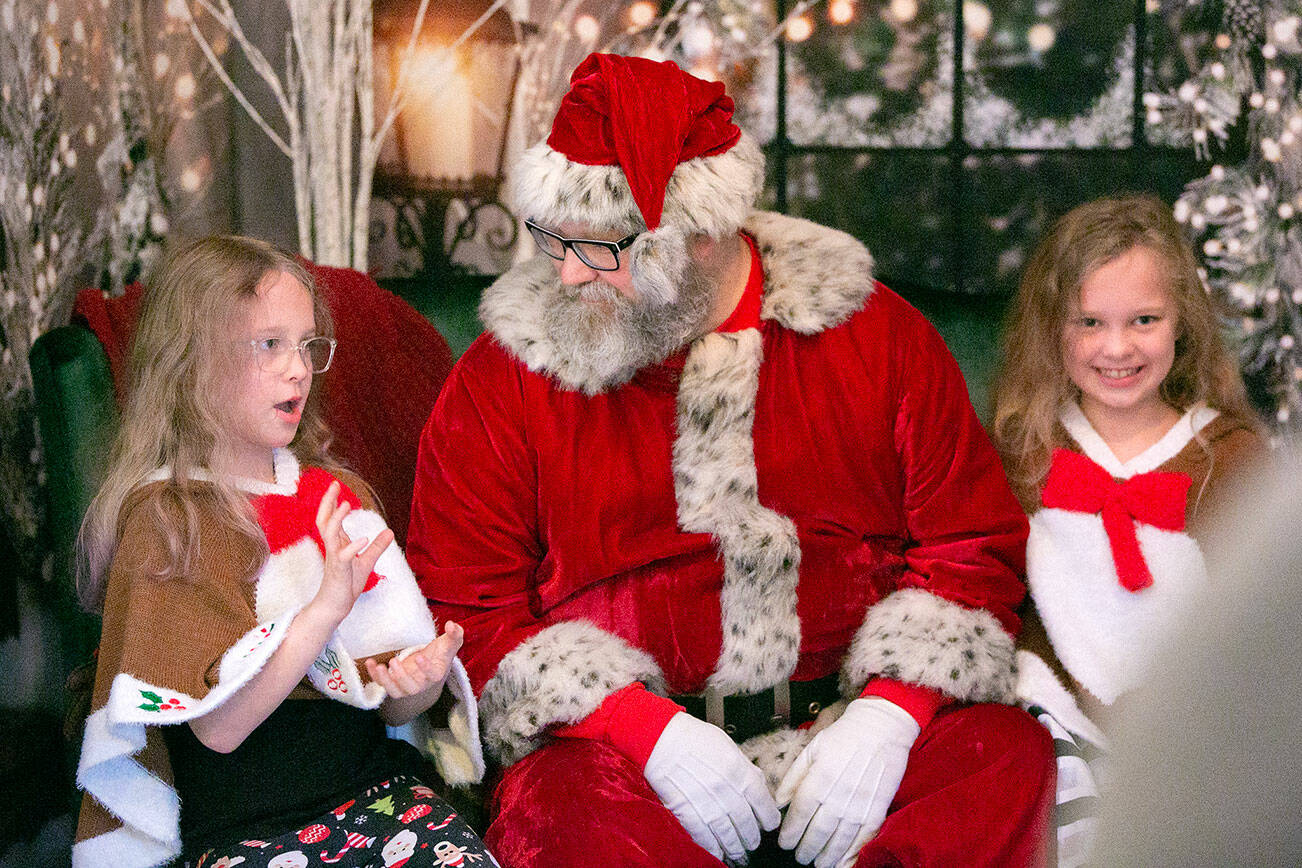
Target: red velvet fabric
920 702
630 720
746 315
644 115
535 505
389 366
1158 498
287 518
113 320
582 802
977 792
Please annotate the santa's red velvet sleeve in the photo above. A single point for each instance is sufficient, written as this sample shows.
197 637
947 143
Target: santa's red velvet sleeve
950 623
473 543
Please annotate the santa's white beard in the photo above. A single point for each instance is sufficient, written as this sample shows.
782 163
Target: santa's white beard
603 338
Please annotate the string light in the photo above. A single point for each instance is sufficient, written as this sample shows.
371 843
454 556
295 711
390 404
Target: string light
641 14
976 19
587 28
800 28
185 86
903 11
840 11
1041 37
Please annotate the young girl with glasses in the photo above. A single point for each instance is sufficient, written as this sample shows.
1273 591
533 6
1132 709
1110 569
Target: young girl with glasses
1122 422
259 626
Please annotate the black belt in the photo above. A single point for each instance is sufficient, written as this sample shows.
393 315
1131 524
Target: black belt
791 703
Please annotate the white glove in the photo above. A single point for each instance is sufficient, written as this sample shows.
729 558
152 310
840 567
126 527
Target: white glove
715 792
843 782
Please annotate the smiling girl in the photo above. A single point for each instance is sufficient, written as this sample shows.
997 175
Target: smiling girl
259 626
1122 420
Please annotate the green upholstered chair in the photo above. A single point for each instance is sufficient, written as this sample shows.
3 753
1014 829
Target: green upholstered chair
78 416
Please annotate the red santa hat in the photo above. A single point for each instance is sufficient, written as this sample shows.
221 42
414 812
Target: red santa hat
639 144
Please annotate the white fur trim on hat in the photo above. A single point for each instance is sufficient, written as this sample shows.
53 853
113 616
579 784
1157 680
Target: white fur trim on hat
709 195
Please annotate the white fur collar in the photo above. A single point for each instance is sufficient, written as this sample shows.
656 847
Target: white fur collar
1078 426
814 279
284 465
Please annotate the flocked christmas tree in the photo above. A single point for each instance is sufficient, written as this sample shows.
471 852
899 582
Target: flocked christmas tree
1246 217
42 239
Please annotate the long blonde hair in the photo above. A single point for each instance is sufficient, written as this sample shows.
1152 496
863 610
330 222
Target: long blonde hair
180 355
1032 382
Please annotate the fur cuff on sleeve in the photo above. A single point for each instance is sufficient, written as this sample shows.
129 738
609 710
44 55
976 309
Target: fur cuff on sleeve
921 638
559 675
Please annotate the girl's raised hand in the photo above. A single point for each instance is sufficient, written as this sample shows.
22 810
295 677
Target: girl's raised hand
422 670
348 562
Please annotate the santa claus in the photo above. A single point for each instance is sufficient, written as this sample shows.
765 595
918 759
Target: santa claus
703 478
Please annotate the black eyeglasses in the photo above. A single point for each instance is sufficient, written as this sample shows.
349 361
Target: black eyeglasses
599 255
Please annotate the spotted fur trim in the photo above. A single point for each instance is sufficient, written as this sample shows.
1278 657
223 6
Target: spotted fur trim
774 752
815 278
559 675
710 195
715 483
918 637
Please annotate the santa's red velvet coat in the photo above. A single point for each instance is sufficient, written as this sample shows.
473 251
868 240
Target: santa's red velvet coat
810 497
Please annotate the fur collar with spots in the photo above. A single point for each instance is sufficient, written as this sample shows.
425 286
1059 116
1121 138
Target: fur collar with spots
814 279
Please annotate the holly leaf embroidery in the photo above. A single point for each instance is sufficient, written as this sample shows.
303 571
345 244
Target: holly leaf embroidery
151 696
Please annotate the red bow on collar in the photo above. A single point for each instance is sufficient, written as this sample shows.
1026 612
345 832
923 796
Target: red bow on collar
288 518
1077 484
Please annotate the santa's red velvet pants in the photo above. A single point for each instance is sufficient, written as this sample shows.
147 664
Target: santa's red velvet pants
978 790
